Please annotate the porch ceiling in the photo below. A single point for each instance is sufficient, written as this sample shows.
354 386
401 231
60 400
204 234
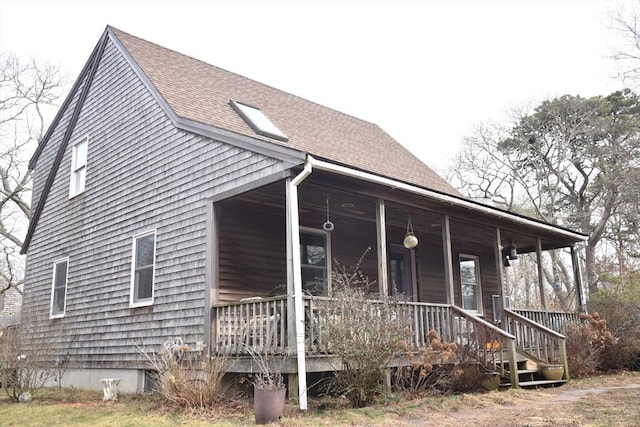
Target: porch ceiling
356 199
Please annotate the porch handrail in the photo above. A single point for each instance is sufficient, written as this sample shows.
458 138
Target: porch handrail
555 320
487 341
539 342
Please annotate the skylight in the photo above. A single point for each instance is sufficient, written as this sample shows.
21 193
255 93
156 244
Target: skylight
258 121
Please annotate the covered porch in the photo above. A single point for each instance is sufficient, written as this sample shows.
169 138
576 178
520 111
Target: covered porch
272 247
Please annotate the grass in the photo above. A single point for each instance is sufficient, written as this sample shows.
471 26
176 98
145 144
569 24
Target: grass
610 400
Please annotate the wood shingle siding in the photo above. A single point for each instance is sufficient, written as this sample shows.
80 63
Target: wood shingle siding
142 174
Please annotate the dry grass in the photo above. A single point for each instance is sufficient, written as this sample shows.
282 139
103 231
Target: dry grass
608 400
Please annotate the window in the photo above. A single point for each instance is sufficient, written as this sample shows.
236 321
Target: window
314 253
142 269
470 283
78 167
258 121
59 288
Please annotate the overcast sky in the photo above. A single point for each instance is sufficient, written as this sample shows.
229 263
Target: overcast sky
426 72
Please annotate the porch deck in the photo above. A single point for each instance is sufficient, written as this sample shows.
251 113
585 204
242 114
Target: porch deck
261 325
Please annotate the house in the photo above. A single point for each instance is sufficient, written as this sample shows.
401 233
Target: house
10 304
173 198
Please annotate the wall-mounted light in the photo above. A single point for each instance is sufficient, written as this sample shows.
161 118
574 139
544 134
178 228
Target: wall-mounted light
505 262
513 251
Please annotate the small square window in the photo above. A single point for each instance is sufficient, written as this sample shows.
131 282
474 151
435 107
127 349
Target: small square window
79 167
258 121
59 288
142 269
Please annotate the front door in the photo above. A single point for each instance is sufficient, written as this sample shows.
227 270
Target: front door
402 271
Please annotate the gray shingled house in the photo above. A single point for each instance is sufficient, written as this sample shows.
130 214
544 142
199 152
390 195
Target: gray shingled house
173 198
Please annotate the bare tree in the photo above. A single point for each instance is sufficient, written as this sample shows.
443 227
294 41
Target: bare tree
28 95
573 161
625 22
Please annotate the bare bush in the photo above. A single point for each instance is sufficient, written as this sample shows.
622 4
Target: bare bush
189 380
587 344
622 311
30 357
427 369
363 330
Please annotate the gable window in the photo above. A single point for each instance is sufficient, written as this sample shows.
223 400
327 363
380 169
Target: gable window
470 283
142 269
59 288
79 167
315 256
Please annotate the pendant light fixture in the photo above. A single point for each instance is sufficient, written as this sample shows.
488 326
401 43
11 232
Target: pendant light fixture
410 240
328 225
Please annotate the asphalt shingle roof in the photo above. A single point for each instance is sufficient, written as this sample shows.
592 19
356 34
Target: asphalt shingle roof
201 92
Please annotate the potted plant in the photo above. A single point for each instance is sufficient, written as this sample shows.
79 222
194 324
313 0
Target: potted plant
553 371
269 389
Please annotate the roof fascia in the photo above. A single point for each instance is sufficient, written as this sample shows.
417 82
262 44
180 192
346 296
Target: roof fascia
94 60
289 155
64 106
444 198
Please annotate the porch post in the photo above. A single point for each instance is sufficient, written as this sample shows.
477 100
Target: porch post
577 278
212 283
294 278
383 281
543 301
499 269
448 260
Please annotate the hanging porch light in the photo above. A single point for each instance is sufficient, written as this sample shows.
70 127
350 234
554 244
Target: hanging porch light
410 240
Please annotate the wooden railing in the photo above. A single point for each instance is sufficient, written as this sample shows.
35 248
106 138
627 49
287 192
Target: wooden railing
259 325
540 343
554 320
480 341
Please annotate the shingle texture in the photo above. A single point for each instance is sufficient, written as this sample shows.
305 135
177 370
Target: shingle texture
201 92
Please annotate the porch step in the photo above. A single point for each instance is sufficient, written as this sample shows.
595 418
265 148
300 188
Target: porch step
537 383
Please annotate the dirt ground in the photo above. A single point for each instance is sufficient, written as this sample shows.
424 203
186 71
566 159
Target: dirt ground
614 401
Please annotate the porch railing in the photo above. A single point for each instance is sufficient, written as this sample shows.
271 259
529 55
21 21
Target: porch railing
554 320
541 343
256 324
480 341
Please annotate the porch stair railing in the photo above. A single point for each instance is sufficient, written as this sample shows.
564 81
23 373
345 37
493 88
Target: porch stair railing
536 342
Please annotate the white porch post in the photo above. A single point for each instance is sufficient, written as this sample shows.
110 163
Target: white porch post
294 278
383 281
448 260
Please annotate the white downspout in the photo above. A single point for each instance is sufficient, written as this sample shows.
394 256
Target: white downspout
294 230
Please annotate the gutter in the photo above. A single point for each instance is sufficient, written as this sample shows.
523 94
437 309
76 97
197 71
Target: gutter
397 185
298 311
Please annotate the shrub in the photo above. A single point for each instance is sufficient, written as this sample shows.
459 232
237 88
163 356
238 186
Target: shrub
30 357
426 370
362 329
189 380
588 344
622 311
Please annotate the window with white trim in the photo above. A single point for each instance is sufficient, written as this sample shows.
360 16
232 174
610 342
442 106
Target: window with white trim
79 167
142 269
59 288
470 283
315 262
